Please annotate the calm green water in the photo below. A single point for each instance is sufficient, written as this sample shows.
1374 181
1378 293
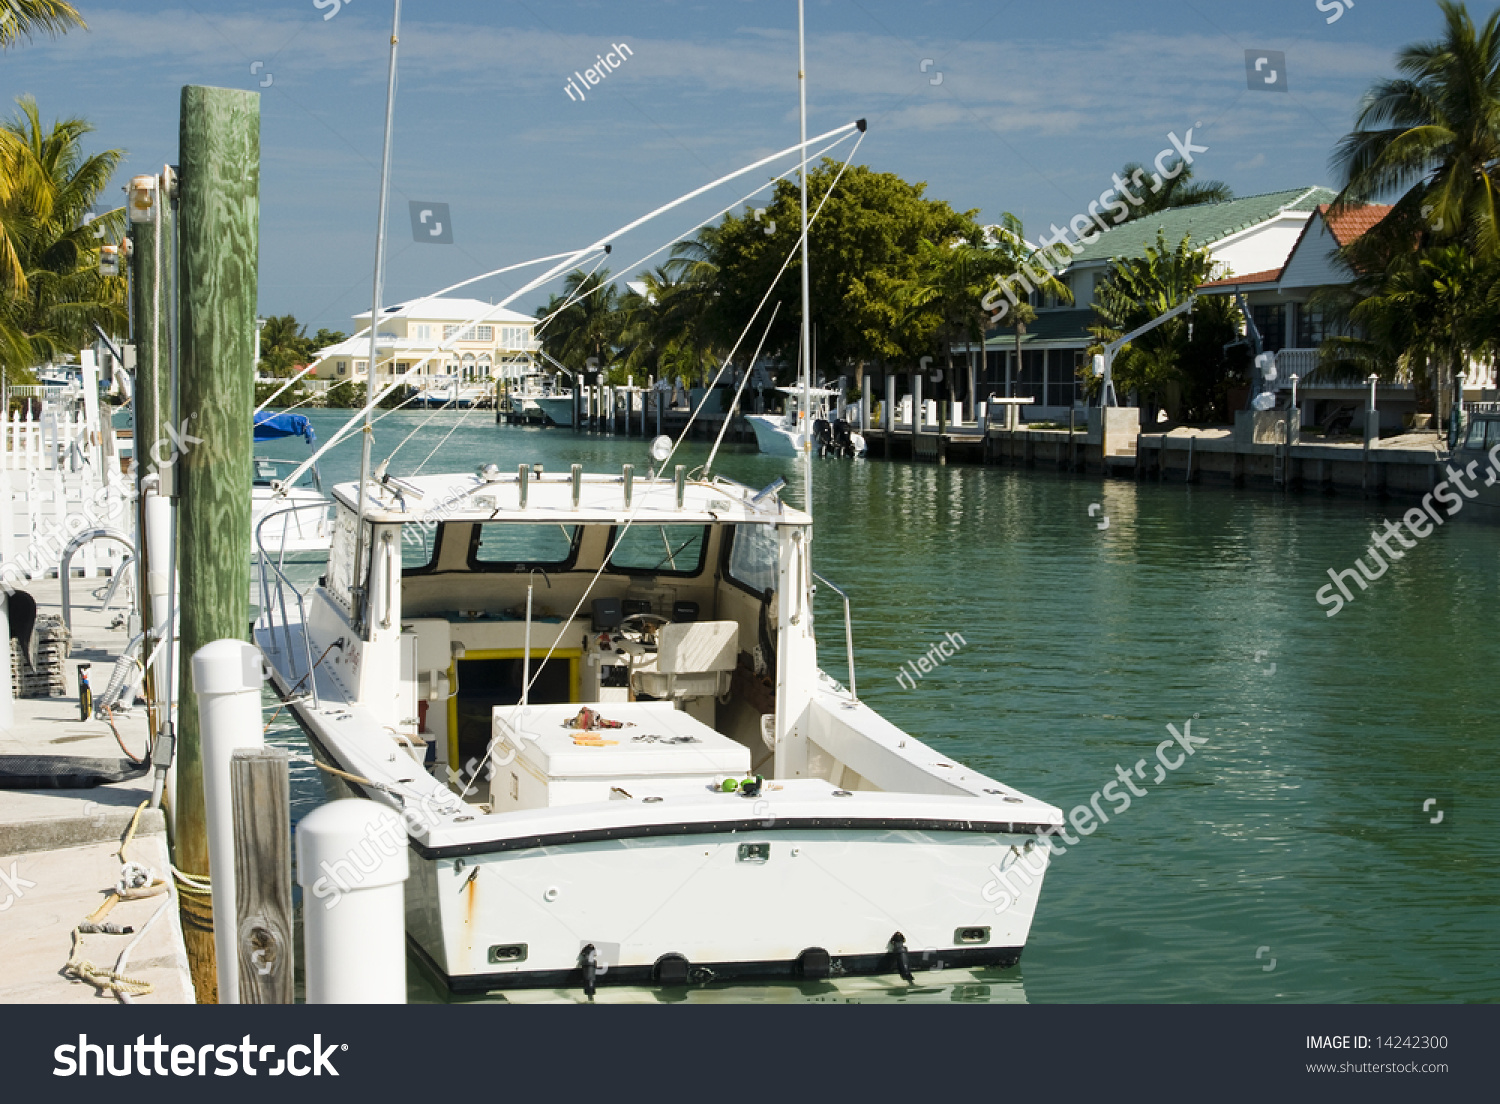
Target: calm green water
1299 828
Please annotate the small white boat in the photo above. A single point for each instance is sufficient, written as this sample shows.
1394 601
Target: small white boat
681 795
785 434
558 409
299 516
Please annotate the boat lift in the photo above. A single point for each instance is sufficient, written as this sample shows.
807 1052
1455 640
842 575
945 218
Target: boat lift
1104 363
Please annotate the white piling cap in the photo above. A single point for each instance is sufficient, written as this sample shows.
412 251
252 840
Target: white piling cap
227 667
360 833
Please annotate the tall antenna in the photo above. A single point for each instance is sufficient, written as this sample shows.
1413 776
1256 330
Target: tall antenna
807 430
360 553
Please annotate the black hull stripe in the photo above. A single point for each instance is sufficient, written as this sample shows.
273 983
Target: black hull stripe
865 965
722 827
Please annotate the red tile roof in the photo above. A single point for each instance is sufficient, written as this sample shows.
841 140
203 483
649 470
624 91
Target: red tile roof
1269 276
1355 222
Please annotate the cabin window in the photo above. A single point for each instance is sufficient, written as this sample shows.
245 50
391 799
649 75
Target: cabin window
658 549
1476 435
509 546
753 557
1493 437
418 547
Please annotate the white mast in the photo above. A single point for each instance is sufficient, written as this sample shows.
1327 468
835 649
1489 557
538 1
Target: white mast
360 554
807 427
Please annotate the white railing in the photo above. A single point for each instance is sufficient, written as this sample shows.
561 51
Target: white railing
276 589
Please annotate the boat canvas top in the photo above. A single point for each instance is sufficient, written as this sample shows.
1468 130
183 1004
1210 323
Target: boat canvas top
549 498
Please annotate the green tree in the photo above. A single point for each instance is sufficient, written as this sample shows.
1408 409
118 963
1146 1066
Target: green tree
863 247
587 322
51 290
943 299
663 330
1180 191
1138 290
25 19
1432 135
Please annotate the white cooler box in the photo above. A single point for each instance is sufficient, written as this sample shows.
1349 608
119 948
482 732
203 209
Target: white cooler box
659 743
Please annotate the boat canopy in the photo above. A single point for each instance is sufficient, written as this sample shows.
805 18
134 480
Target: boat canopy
273 427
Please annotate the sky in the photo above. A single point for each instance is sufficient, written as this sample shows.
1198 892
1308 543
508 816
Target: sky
999 105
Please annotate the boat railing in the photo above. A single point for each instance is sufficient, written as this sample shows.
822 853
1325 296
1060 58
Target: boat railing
848 634
275 587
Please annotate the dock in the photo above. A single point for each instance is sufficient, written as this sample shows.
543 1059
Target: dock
59 849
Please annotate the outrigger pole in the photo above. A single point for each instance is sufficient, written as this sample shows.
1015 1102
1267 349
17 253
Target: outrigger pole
370 378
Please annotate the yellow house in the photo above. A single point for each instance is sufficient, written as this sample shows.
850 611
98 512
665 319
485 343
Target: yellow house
500 347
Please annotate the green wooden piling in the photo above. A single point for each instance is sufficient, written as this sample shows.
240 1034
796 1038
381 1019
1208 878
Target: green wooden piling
220 242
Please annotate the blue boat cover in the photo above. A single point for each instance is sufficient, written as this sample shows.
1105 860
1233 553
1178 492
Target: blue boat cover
271 427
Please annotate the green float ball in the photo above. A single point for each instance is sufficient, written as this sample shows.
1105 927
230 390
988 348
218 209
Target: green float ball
730 785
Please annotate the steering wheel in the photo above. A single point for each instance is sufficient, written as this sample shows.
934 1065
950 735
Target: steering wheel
643 626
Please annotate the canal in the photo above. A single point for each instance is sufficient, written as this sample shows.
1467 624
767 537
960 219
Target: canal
1333 839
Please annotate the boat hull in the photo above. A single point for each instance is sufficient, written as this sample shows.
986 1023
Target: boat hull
559 411
772 437
691 908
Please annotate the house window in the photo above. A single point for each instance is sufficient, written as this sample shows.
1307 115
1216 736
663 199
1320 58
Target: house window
485 333
342 367
422 331
1270 320
1311 328
449 331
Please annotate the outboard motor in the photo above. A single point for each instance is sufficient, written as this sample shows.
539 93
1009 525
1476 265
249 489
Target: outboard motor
841 439
822 435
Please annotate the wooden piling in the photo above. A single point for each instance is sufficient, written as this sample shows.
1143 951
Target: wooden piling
261 782
151 262
219 241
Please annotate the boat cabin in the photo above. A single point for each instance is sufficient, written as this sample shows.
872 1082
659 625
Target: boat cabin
667 606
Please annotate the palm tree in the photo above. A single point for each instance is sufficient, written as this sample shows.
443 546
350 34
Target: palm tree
51 290
944 296
584 321
1017 260
665 330
1434 135
1180 191
26 18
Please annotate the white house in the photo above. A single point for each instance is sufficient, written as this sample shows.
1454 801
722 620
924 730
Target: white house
1250 235
502 346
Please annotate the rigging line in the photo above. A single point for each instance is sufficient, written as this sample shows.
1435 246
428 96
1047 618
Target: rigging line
572 259
640 502
725 210
557 270
740 390
406 308
708 392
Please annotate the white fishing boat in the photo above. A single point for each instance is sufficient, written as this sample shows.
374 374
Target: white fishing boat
785 434
595 700
557 408
684 795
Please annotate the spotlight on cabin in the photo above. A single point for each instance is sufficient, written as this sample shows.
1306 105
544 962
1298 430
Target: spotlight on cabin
490 473
660 449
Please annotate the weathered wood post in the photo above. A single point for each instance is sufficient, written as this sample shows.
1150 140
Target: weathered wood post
220 242
152 298
260 787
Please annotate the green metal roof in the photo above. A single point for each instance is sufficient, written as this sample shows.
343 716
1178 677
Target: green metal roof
1050 325
1204 224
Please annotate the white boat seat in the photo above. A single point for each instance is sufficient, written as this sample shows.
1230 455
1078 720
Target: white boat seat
694 659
